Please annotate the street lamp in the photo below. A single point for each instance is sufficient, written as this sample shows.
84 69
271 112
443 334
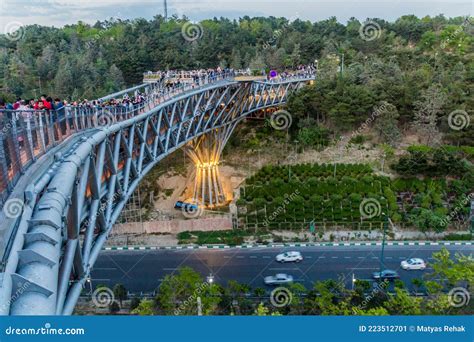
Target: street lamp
89 281
385 224
210 278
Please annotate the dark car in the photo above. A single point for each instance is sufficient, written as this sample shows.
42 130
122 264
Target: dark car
386 274
189 207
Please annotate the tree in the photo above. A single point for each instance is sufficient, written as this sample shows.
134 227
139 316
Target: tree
401 303
450 272
295 56
257 63
115 79
261 310
178 294
426 114
114 307
120 293
134 303
379 311
145 308
386 123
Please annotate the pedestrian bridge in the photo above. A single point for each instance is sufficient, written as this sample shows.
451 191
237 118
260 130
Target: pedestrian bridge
66 176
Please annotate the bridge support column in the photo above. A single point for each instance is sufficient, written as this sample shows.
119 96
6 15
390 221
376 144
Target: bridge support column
205 152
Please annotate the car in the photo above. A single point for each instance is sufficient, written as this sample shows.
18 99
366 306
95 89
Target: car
386 274
277 279
289 257
413 264
184 206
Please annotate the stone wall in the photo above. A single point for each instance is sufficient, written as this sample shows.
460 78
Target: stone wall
173 227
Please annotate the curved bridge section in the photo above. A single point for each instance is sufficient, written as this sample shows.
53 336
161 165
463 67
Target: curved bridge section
69 212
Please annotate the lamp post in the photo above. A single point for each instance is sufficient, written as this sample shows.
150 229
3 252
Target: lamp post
385 224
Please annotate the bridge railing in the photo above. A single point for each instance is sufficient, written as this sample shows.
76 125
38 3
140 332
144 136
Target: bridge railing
26 135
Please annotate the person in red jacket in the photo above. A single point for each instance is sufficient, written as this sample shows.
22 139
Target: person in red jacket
46 103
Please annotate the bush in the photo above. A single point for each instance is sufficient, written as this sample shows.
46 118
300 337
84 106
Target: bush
458 237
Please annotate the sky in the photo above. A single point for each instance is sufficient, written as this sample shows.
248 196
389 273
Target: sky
62 12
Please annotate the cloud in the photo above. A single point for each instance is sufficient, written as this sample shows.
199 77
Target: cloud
63 12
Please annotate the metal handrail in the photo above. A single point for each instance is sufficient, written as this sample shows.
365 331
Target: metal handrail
27 134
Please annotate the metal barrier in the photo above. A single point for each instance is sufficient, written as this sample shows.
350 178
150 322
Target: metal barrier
28 134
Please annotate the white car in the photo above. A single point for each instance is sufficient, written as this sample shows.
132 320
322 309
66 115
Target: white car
289 257
413 264
277 279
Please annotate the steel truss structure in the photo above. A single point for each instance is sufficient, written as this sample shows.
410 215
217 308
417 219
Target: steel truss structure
205 152
69 212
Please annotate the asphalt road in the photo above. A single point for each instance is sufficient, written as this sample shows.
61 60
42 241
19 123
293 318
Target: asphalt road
143 271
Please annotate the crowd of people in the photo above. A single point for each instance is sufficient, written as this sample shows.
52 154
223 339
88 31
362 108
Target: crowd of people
301 71
47 103
168 83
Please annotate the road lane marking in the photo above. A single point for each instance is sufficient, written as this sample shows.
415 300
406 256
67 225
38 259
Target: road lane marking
253 257
170 268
